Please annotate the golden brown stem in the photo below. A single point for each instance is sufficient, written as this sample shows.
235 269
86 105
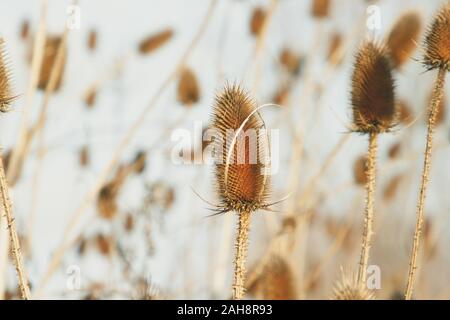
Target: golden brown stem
17 258
368 215
438 94
241 255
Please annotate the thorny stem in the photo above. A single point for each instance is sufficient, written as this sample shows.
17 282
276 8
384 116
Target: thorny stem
368 214
15 245
241 255
438 94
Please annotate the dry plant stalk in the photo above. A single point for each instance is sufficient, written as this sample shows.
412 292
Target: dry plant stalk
403 37
241 183
6 99
373 106
437 56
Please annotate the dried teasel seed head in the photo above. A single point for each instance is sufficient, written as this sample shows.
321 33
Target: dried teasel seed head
242 184
25 29
92 40
394 150
437 41
348 289
359 170
129 222
257 21
84 156
52 44
105 244
90 97
275 282
188 88
155 41
372 95
281 96
403 37
139 161
290 60
320 8
6 95
107 201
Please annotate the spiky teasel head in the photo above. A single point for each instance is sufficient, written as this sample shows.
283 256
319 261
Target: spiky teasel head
348 289
437 41
372 95
6 95
403 36
240 152
275 282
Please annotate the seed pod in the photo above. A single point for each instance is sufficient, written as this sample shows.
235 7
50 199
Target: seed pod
106 201
92 40
188 89
320 8
90 97
241 184
291 61
139 162
25 29
437 41
403 37
84 156
373 100
359 171
257 21
50 52
155 41
394 150
276 281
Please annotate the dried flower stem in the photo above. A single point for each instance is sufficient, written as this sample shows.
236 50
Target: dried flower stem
15 245
438 94
368 219
241 255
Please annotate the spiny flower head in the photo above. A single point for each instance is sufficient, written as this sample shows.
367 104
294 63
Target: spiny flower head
437 41
6 95
241 183
372 95
349 289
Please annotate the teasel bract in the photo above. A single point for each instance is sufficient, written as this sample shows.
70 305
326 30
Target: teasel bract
242 183
436 56
373 104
